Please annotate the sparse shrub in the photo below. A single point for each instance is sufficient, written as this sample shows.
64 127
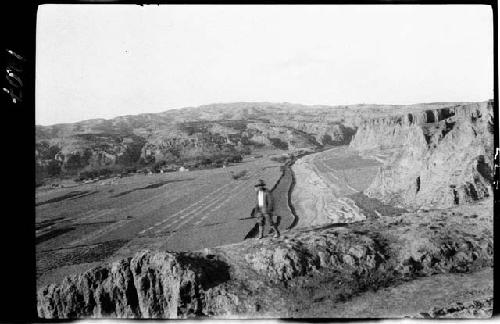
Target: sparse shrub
132 153
278 143
280 159
73 163
206 161
87 155
53 168
96 173
239 175
40 174
326 139
53 150
245 150
131 170
158 166
234 159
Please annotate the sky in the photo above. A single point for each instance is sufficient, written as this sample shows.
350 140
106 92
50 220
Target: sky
103 61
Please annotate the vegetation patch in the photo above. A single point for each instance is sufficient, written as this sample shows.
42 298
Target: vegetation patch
239 175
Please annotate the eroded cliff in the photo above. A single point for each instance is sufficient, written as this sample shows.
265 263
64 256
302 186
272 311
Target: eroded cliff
432 159
278 277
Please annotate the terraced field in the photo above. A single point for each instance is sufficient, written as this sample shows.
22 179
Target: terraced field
84 225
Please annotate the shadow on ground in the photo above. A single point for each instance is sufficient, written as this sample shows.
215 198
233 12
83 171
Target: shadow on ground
151 186
69 196
55 258
52 234
370 206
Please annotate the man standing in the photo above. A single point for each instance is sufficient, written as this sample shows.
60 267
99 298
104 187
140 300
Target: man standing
264 209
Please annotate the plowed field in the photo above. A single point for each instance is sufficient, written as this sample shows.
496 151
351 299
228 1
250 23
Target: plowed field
84 225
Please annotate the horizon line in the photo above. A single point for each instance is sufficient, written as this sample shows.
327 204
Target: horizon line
261 102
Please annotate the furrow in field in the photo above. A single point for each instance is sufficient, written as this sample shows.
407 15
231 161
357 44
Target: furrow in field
186 209
94 215
129 208
138 208
235 194
184 219
216 204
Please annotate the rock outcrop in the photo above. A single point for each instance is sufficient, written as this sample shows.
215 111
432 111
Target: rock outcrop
178 136
241 279
324 133
205 131
149 285
481 308
437 158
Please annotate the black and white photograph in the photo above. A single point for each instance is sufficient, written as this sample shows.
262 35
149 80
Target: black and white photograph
263 161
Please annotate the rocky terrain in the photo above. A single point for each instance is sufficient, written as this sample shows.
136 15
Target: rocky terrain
400 211
435 159
304 273
205 132
180 135
413 159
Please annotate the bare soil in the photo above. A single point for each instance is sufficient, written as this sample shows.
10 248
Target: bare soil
447 252
87 224
413 298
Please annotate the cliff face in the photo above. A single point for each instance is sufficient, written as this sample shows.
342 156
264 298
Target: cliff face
274 277
149 285
180 134
324 133
435 158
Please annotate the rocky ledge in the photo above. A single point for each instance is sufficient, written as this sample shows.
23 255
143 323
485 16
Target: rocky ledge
442 160
279 277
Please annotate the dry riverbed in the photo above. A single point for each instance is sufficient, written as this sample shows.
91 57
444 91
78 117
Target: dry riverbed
325 185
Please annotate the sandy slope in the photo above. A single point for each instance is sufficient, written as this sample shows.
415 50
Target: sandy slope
324 182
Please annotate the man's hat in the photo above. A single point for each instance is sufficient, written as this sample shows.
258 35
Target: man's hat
260 183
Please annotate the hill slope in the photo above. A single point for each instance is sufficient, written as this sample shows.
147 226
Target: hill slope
207 132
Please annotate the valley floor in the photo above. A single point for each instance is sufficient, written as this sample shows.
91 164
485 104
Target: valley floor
328 185
83 226
329 190
349 256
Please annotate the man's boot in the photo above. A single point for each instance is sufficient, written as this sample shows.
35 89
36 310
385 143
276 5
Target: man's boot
276 232
261 232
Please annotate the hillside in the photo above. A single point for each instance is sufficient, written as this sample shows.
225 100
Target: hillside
205 134
438 159
393 203
313 272
410 160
